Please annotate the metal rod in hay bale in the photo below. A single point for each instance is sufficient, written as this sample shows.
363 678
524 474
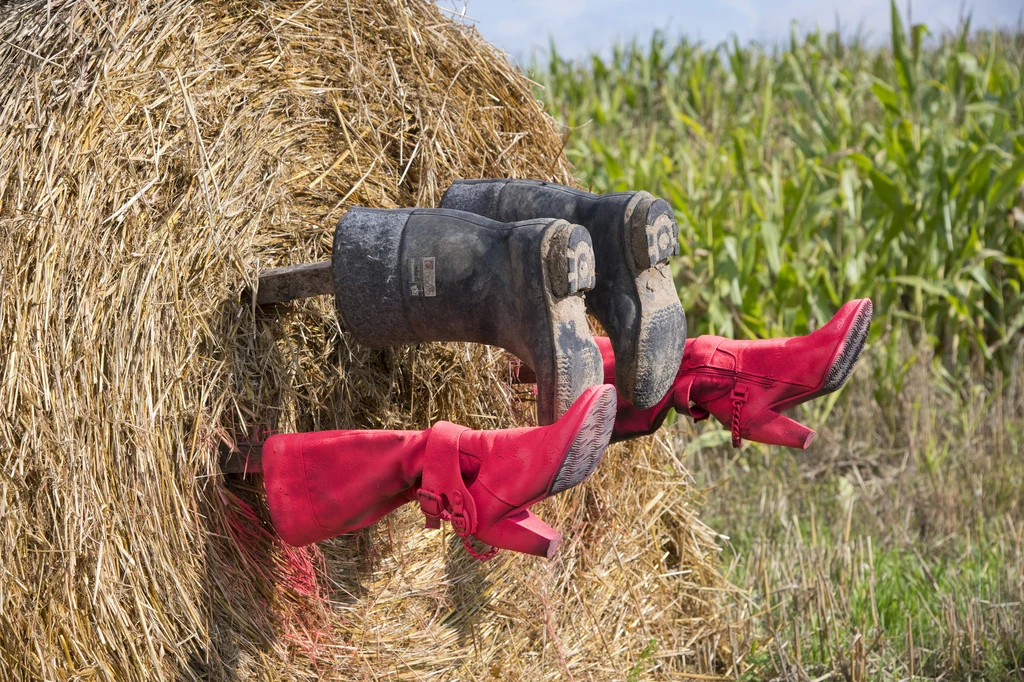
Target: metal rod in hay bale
279 285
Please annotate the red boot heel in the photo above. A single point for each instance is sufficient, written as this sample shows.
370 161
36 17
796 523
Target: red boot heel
524 532
773 428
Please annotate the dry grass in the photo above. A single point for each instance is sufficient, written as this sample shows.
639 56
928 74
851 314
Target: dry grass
894 547
153 158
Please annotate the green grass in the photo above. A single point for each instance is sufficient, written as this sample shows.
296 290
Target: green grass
863 559
802 177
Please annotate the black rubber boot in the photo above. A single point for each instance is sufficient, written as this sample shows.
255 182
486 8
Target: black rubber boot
409 275
634 297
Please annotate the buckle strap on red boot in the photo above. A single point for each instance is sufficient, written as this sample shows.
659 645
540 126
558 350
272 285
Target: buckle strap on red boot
682 404
739 397
443 488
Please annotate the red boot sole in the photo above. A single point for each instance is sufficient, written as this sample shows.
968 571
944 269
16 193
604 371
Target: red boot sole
588 447
850 350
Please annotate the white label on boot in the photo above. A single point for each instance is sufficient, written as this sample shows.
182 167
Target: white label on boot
429 278
415 277
422 277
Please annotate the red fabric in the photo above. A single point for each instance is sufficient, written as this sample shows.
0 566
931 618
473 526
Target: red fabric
323 484
771 375
326 483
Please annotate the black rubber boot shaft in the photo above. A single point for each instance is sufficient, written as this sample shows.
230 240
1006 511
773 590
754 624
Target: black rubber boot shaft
634 297
409 275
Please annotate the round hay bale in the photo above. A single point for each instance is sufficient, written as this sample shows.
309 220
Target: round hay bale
154 157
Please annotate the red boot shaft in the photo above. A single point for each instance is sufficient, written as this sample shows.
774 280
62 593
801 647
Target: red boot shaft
324 484
747 384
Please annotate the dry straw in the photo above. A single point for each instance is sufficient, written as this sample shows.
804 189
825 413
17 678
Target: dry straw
154 157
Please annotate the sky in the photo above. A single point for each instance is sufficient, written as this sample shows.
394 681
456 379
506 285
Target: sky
523 27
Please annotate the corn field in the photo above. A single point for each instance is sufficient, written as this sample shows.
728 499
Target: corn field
826 170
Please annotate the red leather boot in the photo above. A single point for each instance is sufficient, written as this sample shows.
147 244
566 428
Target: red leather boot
324 484
747 384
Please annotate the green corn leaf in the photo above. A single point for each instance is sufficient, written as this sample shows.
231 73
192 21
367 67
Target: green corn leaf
767 100
693 125
770 240
863 162
887 191
1001 257
830 289
886 96
849 192
1007 183
904 64
798 208
979 275
741 151
916 282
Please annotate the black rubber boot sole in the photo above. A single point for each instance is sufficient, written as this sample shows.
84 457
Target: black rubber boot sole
634 296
